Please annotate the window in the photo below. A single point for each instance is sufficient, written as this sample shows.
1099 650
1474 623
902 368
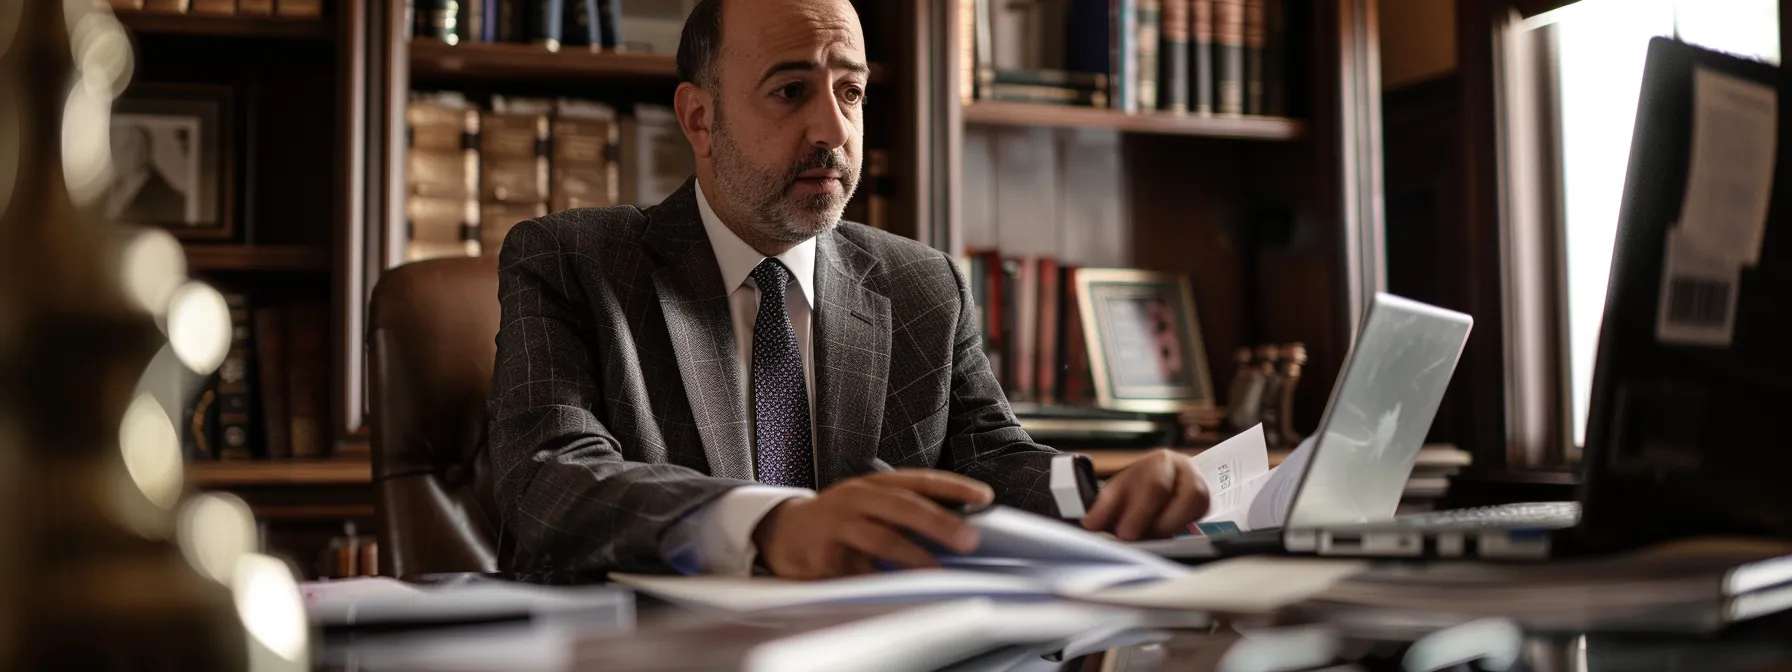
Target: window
1599 48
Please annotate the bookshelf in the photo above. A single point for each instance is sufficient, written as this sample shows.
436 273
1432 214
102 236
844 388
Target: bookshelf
259 258
476 60
251 27
997 113
226 475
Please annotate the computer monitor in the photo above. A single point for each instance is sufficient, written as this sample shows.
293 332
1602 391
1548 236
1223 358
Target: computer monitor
1690 421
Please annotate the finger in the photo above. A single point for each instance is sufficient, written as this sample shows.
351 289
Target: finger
1148 498
858 563
881 542
1107 507
910 511
936 484
1187 503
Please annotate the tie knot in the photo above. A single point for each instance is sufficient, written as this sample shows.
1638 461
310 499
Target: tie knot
771 276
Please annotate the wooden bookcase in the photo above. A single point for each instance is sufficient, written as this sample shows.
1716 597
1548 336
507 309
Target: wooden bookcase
1275 220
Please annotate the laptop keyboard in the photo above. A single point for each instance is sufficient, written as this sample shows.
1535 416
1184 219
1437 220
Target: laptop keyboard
1527 514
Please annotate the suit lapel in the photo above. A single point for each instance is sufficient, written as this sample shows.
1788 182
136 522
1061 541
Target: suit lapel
695 303
851 346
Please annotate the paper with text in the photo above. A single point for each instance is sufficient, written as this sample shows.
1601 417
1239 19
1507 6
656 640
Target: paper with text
1729 181
1231 466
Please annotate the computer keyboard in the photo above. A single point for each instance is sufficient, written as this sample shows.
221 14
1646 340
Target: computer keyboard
1526 514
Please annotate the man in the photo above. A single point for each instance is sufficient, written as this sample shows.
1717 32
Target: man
674 385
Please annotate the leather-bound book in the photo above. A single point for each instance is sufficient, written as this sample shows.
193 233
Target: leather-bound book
255 7
1172 55
442 177
299 7
513 141
270 377
1200 46
308 378
1228 47
1254 30
214 7
497 219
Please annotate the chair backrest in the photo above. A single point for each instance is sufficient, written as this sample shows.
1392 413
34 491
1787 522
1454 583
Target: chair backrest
431 334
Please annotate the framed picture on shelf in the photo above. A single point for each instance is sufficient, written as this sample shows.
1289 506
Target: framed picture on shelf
173 160
1144 341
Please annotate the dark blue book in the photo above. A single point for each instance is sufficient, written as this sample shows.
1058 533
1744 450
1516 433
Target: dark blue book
610 23
580 26
543 22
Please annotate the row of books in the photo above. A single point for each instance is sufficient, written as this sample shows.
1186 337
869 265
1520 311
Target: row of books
271 398
1031 332
294 8
644 25
474 171
1224 57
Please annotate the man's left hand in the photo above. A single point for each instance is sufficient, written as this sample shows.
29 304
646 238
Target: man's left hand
1156 496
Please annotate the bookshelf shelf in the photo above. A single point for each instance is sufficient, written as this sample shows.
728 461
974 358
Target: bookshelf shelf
203 257
1035 114
484 60
280 27
341 471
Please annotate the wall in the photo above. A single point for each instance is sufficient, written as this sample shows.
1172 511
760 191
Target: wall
1418 40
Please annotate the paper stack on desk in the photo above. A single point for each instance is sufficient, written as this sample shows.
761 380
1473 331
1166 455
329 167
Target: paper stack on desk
1019 556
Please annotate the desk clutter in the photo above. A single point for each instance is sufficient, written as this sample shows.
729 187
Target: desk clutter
1043 595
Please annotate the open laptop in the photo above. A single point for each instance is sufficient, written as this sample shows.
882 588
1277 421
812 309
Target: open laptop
1686 431
1374 425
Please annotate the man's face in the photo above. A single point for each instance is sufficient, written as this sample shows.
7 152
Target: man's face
788 118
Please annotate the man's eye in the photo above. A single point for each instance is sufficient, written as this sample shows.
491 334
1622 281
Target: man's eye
853 95
791 91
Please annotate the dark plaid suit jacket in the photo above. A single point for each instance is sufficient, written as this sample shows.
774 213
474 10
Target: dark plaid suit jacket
616 402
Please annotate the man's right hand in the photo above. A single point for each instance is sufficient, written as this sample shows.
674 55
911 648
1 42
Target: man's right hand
861 520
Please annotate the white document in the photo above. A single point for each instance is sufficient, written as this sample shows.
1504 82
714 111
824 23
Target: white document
744 594
1729 182
1229 467
1253 584
1270 507
1008 533
377 600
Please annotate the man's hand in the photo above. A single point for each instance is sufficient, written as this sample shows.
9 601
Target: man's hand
1155 497
861 520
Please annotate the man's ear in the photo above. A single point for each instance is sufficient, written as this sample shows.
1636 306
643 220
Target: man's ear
695 108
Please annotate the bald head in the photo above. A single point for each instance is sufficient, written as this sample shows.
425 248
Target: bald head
774 113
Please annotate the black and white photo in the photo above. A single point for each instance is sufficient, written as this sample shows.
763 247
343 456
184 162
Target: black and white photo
171 149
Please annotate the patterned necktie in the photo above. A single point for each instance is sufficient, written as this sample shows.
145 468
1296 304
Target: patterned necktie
781 429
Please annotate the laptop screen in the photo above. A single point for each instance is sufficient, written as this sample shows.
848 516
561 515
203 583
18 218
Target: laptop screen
1379 414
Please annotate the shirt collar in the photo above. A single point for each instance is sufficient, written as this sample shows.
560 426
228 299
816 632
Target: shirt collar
737 259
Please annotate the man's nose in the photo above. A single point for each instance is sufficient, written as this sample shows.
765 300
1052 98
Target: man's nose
829 125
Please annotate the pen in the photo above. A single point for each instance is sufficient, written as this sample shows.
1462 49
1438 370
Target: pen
960 508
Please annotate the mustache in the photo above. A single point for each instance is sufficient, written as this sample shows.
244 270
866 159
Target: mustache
822 159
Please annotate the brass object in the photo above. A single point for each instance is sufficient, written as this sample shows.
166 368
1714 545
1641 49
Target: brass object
82 586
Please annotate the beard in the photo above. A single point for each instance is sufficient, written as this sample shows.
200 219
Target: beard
764 192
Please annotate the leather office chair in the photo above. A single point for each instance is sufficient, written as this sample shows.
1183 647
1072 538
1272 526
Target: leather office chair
430 346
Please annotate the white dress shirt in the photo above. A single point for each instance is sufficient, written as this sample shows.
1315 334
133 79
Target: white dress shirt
721 532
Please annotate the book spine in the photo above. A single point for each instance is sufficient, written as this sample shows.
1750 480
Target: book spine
1126 55
302 8
1201 56
1089 41
1146 41
308 378
580 24
255 7
1228 42
544 19
610 23
270 375
126 4
173 6
1253 57
234 385
1050 303
199 421
225 7
1275 43
1172 56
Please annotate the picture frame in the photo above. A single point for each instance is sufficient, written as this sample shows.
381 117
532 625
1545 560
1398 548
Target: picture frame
1144 341
174 160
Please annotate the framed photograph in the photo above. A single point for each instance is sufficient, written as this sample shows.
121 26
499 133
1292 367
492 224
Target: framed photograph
1144 340
173 161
